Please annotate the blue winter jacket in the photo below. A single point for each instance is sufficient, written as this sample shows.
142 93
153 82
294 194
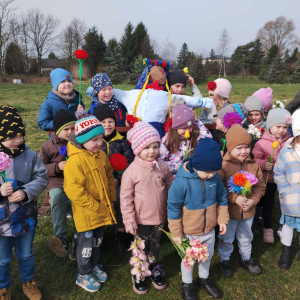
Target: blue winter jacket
51 106
195 206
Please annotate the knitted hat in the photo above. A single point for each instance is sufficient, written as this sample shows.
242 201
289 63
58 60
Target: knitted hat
278 116
58 75
237 135
182 117
87 128
206 157
11 123
61 119
254 103
141 135
100 81
296 122
223 87
103 112
237 107
177 76
266 96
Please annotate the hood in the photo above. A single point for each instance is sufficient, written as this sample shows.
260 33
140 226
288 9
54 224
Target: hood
52 96
267 136
183 172
56 140
229 158
72 150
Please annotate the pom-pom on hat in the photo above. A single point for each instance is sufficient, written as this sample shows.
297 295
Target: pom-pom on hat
59 75
100 81
223 88
237 135
278 116
266 96
103 112
296 123
177 76
182 117
141 135
254 103
61 119
237 107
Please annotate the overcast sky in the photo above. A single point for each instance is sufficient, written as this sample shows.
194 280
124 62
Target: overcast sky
198 23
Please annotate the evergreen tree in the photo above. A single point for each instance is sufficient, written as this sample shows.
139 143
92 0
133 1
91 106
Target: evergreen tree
14 62
182 59
294 55
287 56
52 55
102 49
111 45
257 55
136 70
266 62
127 45
273 53
212 55
276 73
295 78
198 70
138 36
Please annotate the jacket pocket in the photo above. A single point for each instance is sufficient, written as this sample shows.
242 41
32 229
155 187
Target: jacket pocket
193 221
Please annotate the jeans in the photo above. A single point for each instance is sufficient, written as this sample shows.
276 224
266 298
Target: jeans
241 229
203 267
23 248
60 205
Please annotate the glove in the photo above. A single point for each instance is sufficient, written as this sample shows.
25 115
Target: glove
207 102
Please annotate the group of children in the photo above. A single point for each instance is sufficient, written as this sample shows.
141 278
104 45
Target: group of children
176 180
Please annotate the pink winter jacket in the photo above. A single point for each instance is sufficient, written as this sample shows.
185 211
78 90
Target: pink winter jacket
144 193
263 150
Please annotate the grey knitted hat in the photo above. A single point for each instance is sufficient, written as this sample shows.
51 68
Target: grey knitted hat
278 116
254 103
237 107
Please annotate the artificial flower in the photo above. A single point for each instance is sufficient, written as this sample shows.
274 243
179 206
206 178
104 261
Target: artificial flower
5 163
186 70
288 119
63 151
241 183
239 179
118 162
231 118
211 86
81 54
164 64
187 134
275 145
168 124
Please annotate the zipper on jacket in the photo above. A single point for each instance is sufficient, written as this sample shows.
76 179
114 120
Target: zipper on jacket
204 196
156 191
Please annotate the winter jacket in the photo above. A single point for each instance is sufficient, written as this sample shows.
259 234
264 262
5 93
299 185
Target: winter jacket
28 174
51 106
219 136
211 115
89 184
294 104
117 144
144 193
196 206
229 167
195 91
49 154
287 178
263 150
175 160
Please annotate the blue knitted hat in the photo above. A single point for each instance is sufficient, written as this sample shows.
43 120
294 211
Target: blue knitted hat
100 81
58 75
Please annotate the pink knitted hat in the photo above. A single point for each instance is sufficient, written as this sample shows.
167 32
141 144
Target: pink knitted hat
223 87
141 135
266 96
182 117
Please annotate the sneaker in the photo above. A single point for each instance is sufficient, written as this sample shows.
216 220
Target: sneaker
141 287
210 288
99 274
58 245
31 291
252 266
88 283
268 235
5 294
157 276
187 291
225 269
121 242
72 255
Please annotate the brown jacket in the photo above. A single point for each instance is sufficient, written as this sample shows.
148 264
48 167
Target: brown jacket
229 167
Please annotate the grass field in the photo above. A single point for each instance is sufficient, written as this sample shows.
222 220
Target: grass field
56 276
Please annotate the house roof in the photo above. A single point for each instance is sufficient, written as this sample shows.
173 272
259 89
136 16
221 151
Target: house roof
53 63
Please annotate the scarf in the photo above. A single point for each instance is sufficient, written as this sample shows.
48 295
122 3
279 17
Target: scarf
15 152
108 138
67 99
261 123
113 103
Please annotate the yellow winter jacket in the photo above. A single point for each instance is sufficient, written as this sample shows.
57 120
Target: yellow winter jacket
89 184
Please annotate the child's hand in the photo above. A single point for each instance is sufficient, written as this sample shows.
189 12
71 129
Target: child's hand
190 80
127 124
222 153
17 196
116 182
6 189
223 229
61 165
133 232
240 200
268 166
246 206
177 240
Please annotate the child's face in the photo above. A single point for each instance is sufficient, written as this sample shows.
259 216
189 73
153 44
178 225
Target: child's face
14 142
65 87
177 89
279 130
94 144
109 125
219 125
206 175
240 152
182 131
254 117
150 152
65 132
105 94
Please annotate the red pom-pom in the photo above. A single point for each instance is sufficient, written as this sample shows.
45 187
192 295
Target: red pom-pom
164 64
154 86
131 120
80 54
168 125
262 130
151 61
211 86
118 162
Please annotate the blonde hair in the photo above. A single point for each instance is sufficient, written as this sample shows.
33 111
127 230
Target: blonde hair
295 141
221 102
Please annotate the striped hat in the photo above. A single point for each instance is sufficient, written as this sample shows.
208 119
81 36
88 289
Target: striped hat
87 128
141 135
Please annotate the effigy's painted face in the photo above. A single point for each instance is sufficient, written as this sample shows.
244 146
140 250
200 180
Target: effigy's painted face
158 74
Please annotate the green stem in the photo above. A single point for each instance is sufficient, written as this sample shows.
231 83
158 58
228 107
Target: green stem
3 175
224 143
80 74
268 174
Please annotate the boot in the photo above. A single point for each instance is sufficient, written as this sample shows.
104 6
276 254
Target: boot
187 291
252 266
72 255
157 276
285 260
121 242
210 288
58 245
268 235
141 287
5 294
31 291
225 269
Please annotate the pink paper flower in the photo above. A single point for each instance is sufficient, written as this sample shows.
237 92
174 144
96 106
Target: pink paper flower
231 118
5 162
251 177
288 119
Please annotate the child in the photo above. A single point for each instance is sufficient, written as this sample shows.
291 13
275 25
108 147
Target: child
255 113
174 143
63 125
197 202
144 193
62 96
113 143
241 209
103 95
278 121
219 90
26 179
286 176
89 184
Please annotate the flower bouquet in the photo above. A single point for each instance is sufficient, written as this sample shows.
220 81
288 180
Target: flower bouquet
256 132
5 163
63 151
118 162
278 104
241 183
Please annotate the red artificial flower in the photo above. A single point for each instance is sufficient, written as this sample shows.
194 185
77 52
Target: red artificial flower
154 86
211 86
118 162
81 54
168 125
164 64
131 120
151 61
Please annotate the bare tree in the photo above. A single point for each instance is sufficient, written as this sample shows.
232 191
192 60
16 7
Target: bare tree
168 51
224 42
280 33
40 30
25 41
